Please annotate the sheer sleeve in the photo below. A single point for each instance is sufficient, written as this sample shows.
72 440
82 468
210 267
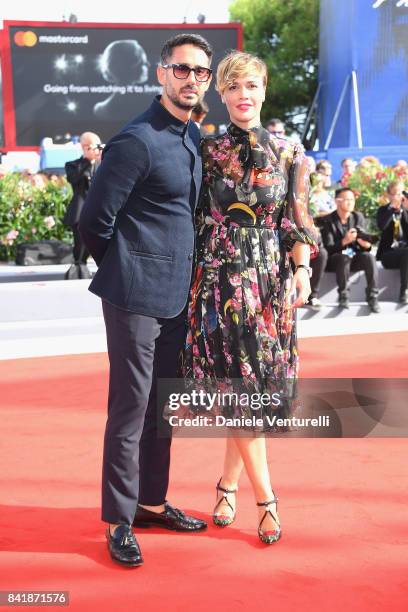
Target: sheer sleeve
297 224
203 200
204 191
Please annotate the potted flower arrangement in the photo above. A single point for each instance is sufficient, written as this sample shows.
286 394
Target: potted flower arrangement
31 208
369 182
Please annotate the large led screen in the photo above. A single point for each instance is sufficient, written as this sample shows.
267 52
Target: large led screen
69 79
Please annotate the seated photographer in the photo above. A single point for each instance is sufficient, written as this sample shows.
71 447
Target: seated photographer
79 174
392 220
348 246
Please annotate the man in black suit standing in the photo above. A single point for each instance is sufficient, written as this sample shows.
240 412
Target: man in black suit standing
138 223
348 247
79 173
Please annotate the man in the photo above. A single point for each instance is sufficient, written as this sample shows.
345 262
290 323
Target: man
392 220
138 224
80 173
276 127
347 251
348 166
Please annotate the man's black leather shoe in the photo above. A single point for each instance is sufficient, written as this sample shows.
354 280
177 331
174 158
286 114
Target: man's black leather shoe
344 301
123 546
171 518
403 298
374 305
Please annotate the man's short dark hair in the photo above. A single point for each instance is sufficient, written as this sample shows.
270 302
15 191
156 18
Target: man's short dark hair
274 121
340 190
322 163
185 39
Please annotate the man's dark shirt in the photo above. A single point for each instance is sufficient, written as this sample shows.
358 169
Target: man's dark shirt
333 231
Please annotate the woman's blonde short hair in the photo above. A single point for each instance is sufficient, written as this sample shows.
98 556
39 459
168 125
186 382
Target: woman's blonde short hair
238 64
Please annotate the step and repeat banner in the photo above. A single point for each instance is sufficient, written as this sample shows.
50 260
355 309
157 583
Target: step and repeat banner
371 38
75 78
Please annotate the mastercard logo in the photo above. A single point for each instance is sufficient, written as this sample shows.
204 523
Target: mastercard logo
25 39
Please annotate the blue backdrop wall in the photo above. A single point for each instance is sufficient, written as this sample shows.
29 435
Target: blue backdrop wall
370 37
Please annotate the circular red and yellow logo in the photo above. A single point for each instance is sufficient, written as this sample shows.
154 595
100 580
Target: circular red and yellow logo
25 39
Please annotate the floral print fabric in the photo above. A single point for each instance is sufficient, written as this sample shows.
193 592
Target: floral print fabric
253 208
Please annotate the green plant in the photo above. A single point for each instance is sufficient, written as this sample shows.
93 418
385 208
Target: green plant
31 210
369 182
285 34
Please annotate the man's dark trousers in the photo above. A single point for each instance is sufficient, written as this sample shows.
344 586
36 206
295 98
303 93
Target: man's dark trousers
141 350
342 265
80 252
318 265
397 258
138 224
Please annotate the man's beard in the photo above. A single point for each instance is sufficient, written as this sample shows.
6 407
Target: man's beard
173 97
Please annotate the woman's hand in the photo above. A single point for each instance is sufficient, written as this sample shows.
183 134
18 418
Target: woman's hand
300 288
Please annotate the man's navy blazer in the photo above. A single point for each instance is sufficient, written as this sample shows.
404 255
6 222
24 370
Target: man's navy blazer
138 218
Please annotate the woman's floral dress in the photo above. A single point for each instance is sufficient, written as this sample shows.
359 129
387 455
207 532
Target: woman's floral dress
253 207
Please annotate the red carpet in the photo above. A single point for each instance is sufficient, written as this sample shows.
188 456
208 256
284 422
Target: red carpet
342 502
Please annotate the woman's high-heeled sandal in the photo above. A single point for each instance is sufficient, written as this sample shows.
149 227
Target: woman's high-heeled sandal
222 520
269 537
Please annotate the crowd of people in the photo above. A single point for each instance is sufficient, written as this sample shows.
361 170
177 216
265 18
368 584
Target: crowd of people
345 244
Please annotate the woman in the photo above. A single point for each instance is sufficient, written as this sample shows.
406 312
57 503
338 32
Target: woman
324 168
321 200
241 319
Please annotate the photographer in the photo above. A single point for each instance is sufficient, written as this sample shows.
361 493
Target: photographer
80 173
392 220
348 245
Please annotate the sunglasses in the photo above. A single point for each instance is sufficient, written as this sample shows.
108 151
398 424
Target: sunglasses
182 71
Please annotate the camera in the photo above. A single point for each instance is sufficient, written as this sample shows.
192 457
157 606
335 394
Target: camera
97 147
363 235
